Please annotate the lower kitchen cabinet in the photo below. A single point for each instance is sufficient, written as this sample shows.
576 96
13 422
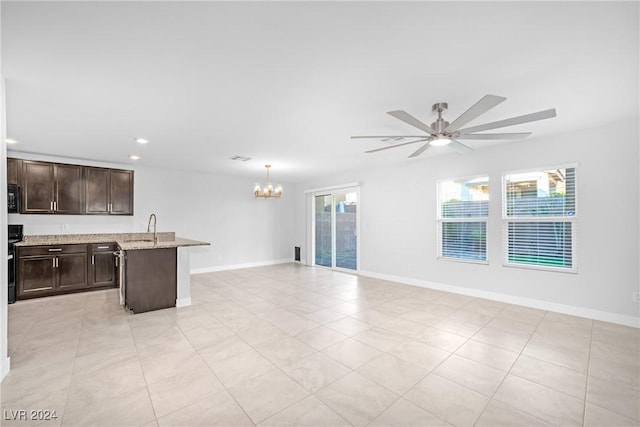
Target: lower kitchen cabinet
150 279
102 267
50 270
51 274
71 270
36 276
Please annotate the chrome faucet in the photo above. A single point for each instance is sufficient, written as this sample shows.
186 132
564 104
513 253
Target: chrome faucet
155 233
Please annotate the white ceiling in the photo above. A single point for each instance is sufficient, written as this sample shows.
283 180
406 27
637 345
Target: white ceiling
288 83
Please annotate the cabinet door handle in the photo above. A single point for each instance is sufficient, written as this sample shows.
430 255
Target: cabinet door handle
103 247
53 262
57 262
93 259
51 206
117 261
55 250
55 206
110 207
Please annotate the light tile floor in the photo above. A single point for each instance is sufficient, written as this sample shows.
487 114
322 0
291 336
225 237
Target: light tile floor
290 345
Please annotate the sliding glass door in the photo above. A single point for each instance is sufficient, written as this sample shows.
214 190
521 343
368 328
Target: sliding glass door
336 229
324 230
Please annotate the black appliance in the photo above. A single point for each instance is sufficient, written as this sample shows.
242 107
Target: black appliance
15 235
13 198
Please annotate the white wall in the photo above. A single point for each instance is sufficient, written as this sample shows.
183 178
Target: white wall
213 208
398 223
4 287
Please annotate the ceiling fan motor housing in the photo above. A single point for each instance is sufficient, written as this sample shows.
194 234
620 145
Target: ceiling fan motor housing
440 124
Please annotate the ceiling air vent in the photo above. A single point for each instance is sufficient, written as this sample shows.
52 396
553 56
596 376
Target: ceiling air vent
240 158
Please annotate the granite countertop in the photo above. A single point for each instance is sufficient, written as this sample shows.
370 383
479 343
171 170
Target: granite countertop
176 242
126 241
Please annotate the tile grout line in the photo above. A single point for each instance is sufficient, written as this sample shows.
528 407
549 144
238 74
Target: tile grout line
146 383
429 372
238 298
586 386
212 371
249 379
73 365
491 398
293 379
315 352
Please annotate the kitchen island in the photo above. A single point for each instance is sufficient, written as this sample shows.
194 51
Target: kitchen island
54 264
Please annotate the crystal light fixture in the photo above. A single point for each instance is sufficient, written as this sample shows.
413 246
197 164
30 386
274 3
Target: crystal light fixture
267 191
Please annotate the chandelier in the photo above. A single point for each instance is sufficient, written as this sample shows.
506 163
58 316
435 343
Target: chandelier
267 191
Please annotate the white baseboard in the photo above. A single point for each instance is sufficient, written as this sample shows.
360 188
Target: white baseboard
4 367
237 266
604 316
183 302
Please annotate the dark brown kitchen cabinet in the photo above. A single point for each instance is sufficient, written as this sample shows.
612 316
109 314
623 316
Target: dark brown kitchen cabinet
50 270
150 279
37 187
13 166
68 189
36 276
51 188
121 192
108 191
71 271
102 267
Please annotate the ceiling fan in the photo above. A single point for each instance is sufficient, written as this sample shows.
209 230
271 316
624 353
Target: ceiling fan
442 132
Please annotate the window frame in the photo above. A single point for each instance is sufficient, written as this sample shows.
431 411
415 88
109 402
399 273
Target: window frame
573 220
440 220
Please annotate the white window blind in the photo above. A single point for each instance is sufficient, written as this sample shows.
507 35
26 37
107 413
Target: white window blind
463 208
539 219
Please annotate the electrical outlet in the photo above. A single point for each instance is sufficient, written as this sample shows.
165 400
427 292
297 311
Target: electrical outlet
635 296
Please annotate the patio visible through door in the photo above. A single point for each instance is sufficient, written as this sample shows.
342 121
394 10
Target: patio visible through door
336 227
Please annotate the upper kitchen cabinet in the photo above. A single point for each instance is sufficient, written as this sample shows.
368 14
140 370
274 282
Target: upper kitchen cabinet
57 188
13 167
108 191
51 188
68 189
121 192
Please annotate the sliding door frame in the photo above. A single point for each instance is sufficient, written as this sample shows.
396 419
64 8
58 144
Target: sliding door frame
332 191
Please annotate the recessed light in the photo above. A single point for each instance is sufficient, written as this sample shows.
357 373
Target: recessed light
142 141
10 141
134 157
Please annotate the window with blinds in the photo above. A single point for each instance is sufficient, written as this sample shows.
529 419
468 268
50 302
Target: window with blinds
463 209
539 219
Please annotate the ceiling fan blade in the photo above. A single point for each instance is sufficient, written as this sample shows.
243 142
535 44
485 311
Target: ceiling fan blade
540 115
394 146
459 147
420 150
388 136
409 119
485 104
495 136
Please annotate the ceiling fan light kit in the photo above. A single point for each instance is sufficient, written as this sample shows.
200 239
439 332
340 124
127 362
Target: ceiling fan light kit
440 140
442 132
